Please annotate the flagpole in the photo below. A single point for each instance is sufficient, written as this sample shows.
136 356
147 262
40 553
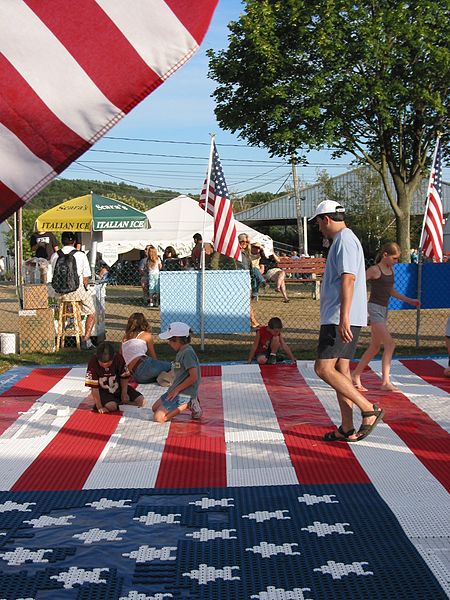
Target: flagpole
18 252
419 250
202 260
419 293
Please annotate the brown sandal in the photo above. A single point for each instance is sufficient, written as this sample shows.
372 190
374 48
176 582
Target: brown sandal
365 430
331 436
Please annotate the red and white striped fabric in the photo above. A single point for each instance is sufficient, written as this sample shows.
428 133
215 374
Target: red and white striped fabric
432 241
72 70
220 207
261 426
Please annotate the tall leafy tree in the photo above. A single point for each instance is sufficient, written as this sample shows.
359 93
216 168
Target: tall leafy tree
369 216
368 78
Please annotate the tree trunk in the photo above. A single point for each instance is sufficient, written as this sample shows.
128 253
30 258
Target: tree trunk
403 225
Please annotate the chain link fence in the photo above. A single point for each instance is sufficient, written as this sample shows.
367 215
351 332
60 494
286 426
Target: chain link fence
122 289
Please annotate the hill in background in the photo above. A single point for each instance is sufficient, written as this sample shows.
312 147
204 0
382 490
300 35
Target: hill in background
60 190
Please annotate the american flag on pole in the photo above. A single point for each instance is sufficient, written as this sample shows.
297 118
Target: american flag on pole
72 70
432 233
219 206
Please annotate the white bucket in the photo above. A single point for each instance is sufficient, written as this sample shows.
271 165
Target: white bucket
8 343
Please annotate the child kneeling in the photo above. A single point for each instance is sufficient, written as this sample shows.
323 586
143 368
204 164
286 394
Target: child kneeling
107 376
182 393
268 341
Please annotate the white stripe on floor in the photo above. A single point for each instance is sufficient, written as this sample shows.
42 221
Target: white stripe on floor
419 502
255 446
21 444
132 456
434 402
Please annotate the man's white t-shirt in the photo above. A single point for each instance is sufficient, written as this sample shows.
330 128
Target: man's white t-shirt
345 256
83 266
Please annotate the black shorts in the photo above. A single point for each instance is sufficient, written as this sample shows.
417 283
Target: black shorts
106 396
331 345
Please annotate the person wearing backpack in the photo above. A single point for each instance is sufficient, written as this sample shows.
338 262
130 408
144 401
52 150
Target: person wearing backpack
71 273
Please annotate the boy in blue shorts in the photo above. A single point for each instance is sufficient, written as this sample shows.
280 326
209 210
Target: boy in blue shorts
183 392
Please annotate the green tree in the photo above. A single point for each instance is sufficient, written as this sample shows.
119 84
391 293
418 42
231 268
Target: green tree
252 199
369 216
367 78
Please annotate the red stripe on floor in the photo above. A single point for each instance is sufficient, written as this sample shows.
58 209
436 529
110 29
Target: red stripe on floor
194 454
20 397
303 421
36 383
425 438
430 371
67 461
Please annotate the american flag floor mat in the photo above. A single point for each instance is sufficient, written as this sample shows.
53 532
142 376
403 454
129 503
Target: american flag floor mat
247 503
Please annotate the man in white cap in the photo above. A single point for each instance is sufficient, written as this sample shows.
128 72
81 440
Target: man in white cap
343 311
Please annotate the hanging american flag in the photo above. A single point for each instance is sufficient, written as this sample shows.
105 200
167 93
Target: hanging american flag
219 206
72 70
432 233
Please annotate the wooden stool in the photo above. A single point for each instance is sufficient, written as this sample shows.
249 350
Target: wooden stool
69 323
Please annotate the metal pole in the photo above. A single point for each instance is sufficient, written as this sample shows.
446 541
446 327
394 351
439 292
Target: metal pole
419 293
202 260
305 236
19 253
419 251
298 207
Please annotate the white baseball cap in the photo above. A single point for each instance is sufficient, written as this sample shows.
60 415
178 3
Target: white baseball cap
177 329
327 207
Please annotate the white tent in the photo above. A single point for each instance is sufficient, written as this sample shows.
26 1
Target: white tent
173 224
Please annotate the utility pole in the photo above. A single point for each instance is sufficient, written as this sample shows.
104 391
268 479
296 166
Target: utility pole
298 207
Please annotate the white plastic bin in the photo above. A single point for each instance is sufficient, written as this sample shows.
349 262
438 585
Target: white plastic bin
8 343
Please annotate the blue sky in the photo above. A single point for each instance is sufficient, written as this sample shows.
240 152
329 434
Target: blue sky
181 110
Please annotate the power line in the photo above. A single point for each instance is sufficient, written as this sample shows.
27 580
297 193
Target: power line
260 186
249 146
165 163
205 159
123 179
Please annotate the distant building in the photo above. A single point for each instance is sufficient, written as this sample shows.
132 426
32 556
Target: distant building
282 211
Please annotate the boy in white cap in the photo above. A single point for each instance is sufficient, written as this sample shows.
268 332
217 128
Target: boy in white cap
183 392
343 311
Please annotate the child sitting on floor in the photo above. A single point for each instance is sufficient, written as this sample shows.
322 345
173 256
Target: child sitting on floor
107 376
182 393
269 339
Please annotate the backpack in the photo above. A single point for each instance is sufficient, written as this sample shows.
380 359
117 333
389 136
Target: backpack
65 275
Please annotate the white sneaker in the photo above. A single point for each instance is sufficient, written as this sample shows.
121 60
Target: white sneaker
195 408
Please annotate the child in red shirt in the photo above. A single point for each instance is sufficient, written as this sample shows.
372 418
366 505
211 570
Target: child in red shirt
107 376
269 339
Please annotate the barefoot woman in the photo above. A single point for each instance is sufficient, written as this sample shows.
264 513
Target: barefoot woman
381 276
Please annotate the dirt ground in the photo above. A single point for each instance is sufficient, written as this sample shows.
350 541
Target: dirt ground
300 319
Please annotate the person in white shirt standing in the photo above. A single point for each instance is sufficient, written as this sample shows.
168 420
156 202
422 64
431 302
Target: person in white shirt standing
343 311
2 267
80 293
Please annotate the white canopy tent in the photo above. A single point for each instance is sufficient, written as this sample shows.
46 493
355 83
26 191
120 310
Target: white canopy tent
173 224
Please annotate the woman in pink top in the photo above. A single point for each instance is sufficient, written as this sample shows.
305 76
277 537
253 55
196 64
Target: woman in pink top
381 276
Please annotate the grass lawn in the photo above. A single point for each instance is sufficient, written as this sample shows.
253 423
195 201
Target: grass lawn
300 319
